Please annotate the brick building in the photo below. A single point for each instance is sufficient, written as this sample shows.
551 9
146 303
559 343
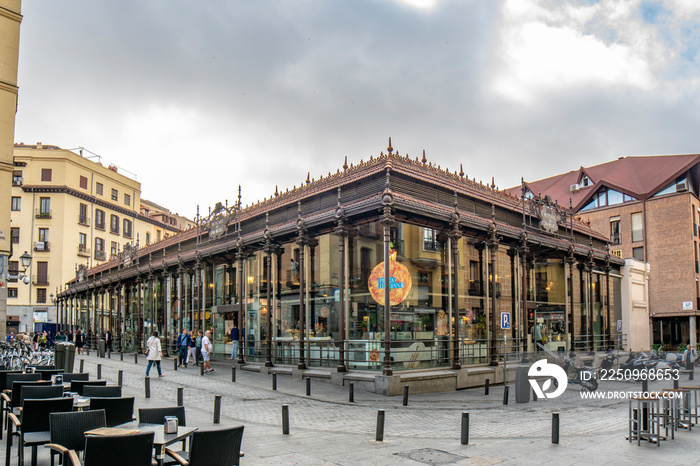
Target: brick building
649 208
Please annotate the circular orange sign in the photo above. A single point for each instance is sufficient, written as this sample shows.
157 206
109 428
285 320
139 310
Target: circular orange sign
374 355
399 283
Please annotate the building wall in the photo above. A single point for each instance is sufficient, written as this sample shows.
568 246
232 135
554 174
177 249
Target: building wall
63 253
635 305
10 19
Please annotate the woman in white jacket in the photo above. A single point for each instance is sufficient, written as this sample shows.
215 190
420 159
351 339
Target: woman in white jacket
154 353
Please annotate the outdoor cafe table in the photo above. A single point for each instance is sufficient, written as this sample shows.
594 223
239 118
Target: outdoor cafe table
160 439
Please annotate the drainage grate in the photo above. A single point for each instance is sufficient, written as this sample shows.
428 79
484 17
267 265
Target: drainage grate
432 456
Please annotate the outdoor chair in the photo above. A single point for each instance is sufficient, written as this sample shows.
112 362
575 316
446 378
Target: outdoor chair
117 410
33 391
18 376
3 383
3 378
68 430
77 385
114 450
68 378
157 416
12 400
47 373
32 426
103 391
211 448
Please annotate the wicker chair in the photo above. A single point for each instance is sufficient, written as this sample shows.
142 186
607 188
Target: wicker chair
32 426
77 385
117 410
12 400
68 430
211 448
103 391
157 415
38 392
115 450
68 378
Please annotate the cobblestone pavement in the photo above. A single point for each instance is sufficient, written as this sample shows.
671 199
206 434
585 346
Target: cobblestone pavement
327 429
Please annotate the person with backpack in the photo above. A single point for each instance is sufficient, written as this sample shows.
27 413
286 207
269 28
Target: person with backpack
184 342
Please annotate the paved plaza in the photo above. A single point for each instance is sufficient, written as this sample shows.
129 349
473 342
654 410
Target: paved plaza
326 429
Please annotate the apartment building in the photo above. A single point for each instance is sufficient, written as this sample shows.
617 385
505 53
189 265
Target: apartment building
67 210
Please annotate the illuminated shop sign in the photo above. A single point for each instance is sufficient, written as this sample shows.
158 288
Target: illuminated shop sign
399 282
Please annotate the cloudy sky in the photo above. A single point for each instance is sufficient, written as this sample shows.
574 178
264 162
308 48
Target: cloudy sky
196 98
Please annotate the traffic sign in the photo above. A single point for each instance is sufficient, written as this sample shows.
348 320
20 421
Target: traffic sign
505 320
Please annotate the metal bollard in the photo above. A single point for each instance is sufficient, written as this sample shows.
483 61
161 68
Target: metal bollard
645 386
405 395
121 355
486 387
99 371
555 428
201 369
175 364
180 396
87 349
233 374
465 428
505 394
120 378
285 419
217 409
82 365
380 426
109 354
308 386
147 382
351 392
675 384
274 381
136 357
534 395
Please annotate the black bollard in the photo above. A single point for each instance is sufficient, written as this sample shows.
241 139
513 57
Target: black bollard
274 381
120 378
136 357
99 371
505 394
285 419
534 395
121 355
675 384
465 428
87 349
175 364
217 409
180 396
645 386
486 387
201 369
405 395
380 426
109 354
351 392
233 374
555 428
147 382
308 386
82 365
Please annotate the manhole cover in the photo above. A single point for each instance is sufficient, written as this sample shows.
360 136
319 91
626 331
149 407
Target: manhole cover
432 456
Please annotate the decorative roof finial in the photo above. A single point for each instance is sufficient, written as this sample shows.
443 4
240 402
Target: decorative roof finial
308 177
424 160
345 164
390 149
277 193
493 183
461 171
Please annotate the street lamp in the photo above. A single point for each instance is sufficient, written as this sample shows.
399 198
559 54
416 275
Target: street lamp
25 260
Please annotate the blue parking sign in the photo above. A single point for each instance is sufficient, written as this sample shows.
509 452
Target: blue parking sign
505 320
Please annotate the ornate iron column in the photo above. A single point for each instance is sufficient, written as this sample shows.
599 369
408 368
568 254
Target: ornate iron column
268 248
455 234
302 240
589 290
120 315
387 221
111 300
102 313
166 310
522 253
242 298
570 323
606 269
198 288
492 242
139 309
342 231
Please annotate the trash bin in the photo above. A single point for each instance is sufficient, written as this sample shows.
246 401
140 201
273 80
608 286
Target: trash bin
522 385
101 346
64 356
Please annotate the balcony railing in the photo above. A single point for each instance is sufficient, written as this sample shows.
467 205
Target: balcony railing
100 255
40 279
17 181
83 251
41 246
43 213
84 220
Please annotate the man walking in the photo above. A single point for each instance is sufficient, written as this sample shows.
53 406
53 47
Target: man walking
183 345
235 337
192 352
206 351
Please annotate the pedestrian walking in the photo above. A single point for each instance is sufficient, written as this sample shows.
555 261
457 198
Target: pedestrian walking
198 346
192 352
235 337
184 342
108 339
79 341
154 353
206 351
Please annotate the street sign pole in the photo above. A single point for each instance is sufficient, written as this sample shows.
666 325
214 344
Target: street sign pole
505 325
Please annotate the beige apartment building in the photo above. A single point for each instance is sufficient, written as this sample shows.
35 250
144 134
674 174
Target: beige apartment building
10 19
66 211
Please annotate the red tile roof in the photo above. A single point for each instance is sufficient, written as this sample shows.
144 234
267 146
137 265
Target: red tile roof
639 177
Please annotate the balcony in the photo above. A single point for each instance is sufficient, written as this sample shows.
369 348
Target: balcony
17 181
100 255
43 213
40 279
84 220
83 250
41 246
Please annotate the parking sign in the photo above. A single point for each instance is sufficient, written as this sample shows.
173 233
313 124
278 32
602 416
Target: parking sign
505 320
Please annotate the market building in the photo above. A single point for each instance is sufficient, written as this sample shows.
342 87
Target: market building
648 208
67 210
302 275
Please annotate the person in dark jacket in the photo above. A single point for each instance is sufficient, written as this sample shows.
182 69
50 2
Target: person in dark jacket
183 345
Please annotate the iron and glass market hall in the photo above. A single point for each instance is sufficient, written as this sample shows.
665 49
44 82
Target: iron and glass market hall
473 273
